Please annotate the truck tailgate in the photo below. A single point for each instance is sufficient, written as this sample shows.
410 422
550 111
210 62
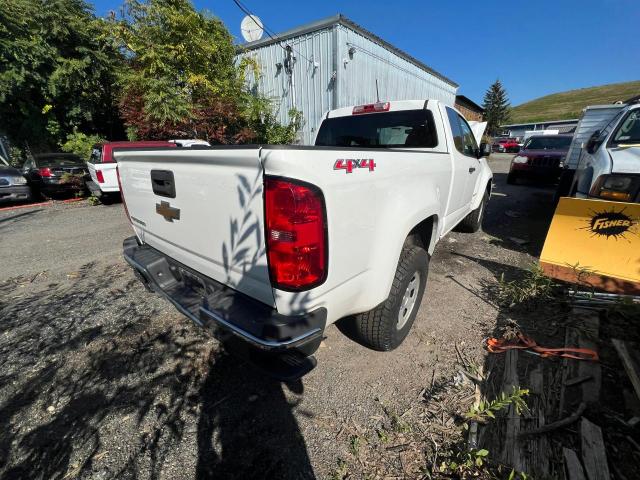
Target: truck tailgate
204 208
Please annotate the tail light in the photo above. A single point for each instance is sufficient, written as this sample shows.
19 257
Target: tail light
124 204
100 177
371 108
45 172
621 188
296 234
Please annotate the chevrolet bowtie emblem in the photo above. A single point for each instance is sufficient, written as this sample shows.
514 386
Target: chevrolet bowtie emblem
167 211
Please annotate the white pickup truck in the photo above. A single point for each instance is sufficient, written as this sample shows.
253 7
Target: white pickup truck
272 244
609 165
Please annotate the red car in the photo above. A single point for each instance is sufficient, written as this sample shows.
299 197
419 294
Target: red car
540 158
505 145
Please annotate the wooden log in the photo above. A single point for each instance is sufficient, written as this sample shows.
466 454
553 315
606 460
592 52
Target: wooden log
594 454
583 333
572 465
511 452
535 451
626 352
556 425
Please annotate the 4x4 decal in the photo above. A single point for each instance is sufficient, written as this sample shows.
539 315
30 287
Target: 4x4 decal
348 164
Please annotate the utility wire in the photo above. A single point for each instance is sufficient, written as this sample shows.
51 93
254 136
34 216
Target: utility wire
272 35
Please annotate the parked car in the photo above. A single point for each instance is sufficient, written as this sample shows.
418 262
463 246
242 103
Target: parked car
273 244
609 166
505 145
102 167
541 158
55 173
13 185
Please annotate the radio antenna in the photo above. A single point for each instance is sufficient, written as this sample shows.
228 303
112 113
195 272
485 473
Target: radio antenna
377 93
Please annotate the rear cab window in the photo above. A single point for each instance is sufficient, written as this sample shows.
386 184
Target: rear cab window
548 142
59 161
396 129
96 154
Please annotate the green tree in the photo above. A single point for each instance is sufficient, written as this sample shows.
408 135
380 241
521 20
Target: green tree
182 78
496 107
57 71
81 144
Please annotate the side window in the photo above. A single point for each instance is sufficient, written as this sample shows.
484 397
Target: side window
456 131
469 140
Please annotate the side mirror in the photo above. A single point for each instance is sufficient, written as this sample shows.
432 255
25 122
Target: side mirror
485 150
592 143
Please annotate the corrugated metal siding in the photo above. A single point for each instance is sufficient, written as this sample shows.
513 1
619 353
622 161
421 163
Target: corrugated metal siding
397 78
355 81
312 85
593 118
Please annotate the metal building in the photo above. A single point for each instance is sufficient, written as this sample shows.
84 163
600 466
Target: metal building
334 63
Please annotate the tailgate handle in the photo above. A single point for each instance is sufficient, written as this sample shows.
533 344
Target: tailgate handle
163 184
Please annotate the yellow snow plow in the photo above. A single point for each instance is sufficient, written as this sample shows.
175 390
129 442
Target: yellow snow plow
594 243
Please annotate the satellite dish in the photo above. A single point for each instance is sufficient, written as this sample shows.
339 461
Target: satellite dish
251 28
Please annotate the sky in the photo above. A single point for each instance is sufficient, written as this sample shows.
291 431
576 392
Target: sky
535 48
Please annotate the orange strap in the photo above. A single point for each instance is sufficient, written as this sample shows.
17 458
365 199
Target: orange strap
501 345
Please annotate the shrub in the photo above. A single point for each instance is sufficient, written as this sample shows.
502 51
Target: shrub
81 144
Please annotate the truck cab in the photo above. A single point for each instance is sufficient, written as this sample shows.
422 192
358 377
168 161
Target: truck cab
609 165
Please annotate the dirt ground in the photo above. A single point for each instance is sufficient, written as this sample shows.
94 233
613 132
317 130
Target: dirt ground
100 379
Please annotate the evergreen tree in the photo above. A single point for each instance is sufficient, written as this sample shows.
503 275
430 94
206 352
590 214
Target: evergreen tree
496 107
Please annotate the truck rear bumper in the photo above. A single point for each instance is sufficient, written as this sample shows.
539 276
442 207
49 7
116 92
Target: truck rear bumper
225 311
99 189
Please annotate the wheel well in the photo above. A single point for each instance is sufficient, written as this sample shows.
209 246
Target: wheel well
422 235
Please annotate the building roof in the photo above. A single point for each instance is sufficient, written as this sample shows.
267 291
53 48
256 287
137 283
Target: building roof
544 122
342 20
470 104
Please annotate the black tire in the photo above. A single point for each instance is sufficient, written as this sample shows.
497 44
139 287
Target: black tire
378 328
511 178
473 221
106 199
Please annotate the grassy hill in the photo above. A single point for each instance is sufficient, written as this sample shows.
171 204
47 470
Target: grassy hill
560 106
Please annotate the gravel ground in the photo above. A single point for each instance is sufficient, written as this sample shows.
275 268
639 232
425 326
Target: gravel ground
100 379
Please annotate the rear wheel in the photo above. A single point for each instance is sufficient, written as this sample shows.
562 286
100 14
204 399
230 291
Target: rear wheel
473 221
107 198
386 326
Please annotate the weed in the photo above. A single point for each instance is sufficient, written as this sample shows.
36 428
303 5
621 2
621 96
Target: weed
93 200
382 435
465 461
397 424
354 445
515 475
535 285
487 410
340 472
